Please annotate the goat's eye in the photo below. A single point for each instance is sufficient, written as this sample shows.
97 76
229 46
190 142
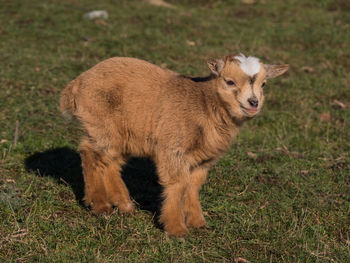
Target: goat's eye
263 85
230 82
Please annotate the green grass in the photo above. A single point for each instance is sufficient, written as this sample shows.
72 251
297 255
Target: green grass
281 194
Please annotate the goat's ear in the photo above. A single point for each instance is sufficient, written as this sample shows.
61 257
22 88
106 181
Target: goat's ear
215 65
273 71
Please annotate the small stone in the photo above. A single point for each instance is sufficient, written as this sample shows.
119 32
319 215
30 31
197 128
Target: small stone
103 14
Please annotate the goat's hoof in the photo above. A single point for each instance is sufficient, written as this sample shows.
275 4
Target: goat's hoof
101 208
98 204
127 208
196 222
178 231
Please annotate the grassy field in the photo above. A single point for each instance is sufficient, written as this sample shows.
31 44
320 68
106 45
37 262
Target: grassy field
281 194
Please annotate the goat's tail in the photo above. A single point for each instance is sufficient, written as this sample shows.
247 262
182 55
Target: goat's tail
67 101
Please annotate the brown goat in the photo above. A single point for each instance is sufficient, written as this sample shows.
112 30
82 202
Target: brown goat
129 107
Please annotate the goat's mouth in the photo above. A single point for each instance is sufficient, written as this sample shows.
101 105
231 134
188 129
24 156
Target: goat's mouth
251 111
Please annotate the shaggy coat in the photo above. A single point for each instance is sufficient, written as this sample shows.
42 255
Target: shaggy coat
129 107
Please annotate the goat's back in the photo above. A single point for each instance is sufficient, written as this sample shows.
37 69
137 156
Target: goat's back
137 101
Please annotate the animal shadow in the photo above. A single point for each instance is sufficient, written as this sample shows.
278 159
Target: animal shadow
64 164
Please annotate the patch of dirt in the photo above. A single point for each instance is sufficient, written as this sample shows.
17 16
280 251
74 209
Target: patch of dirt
269 180
335 5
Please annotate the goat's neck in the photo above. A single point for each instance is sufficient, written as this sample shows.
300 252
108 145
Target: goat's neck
218 111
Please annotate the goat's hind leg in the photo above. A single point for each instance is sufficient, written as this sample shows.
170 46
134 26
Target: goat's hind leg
95 190
104 187
117 192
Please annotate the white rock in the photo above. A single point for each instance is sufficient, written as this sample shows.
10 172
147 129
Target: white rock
97 14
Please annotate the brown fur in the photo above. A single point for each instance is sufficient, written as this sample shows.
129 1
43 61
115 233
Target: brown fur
131 107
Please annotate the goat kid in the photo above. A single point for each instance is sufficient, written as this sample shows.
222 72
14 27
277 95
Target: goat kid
129 107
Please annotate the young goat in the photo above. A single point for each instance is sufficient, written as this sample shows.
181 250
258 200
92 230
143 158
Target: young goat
130 107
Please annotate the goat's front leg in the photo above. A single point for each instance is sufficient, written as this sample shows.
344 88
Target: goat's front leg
172 215
192 207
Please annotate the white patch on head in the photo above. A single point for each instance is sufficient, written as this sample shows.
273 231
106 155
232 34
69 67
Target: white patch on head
249 65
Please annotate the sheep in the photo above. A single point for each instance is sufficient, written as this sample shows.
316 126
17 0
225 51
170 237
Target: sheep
130 107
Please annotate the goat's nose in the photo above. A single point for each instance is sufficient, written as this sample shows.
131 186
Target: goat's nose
253 102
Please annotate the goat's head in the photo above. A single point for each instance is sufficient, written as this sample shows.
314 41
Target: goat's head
241 81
